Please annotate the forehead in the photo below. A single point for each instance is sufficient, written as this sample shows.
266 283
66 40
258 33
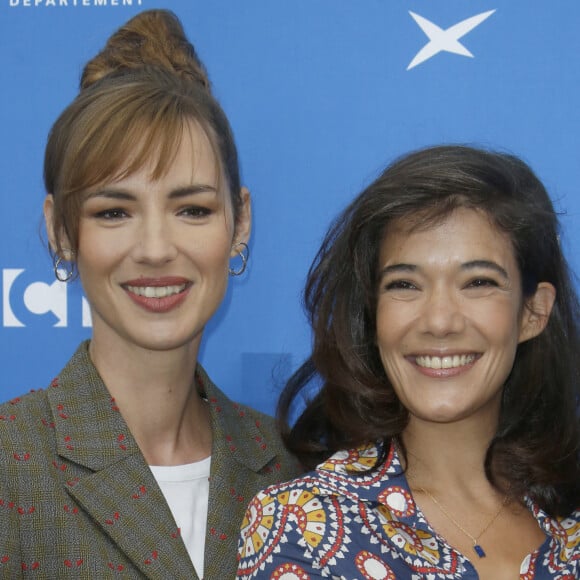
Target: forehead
464 235
189 154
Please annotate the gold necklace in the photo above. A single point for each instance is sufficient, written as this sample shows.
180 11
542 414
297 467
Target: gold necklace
476 546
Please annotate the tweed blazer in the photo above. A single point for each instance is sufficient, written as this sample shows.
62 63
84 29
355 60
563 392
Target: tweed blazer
77 499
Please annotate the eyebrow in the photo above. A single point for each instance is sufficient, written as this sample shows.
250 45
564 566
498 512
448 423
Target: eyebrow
124 195
471 265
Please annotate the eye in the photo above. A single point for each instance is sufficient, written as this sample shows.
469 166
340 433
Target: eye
194 211
482 283
400 285
111 214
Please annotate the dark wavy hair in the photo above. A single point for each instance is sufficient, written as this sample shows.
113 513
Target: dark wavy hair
536 446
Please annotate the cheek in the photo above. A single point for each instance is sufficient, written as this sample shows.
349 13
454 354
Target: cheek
501 323
393 321
97 255
212 255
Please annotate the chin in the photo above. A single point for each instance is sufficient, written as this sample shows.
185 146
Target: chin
440 415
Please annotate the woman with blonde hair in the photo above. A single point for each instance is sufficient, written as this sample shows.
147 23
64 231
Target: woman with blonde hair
132 463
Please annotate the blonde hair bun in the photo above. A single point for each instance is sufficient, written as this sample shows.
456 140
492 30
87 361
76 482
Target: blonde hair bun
152 38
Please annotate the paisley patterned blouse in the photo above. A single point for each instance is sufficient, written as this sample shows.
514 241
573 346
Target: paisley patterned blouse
339 522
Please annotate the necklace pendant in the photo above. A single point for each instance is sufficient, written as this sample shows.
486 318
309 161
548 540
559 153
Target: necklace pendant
479 550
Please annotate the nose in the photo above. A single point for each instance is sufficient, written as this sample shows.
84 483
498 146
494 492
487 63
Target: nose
154 243
442 313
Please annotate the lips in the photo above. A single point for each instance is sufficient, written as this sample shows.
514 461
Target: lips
158 294
156 291
444 362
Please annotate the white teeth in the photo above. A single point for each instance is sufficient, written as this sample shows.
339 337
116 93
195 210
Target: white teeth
156 291
445 362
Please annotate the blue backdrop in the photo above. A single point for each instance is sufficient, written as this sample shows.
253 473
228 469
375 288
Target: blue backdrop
321 95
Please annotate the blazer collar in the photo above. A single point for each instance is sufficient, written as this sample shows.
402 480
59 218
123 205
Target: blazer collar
117 488
236 432
240 451
92 432
120 492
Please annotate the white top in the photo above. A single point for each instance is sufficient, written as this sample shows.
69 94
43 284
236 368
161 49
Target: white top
186 489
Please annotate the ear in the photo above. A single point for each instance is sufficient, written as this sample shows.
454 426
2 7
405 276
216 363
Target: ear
244 221
536 312
57 242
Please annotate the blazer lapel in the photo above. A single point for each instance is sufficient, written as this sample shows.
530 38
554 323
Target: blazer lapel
126 502
113 485
239 452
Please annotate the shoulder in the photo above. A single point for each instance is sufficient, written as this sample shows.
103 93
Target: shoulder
303 522
283 522
33 414
318 522
246 435
28 441
24 415
352 474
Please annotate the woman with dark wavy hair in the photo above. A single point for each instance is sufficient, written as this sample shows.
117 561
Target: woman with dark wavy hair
446 426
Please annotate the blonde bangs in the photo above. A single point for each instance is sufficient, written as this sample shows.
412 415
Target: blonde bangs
114 129
109 147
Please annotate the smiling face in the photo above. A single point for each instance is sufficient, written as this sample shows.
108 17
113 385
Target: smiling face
153 255
450 315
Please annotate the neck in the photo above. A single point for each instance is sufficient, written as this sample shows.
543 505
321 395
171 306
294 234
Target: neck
155 392
441 455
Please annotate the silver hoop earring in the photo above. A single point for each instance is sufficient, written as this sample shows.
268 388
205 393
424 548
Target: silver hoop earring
244 257
58 270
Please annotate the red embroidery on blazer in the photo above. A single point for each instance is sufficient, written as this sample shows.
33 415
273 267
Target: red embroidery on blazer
23 457
77 563
33 566
235 495
114 404
120 439
117 568
21 510
15 401
54 382
176 534
61 413
72 482
214 401
213 532
60 466
67 440
4 559
47 423
153 557
7 417
258 439
141 493
229 440
69 510
111 521
258 424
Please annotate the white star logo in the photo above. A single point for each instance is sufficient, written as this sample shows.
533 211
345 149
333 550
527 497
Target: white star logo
445 40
